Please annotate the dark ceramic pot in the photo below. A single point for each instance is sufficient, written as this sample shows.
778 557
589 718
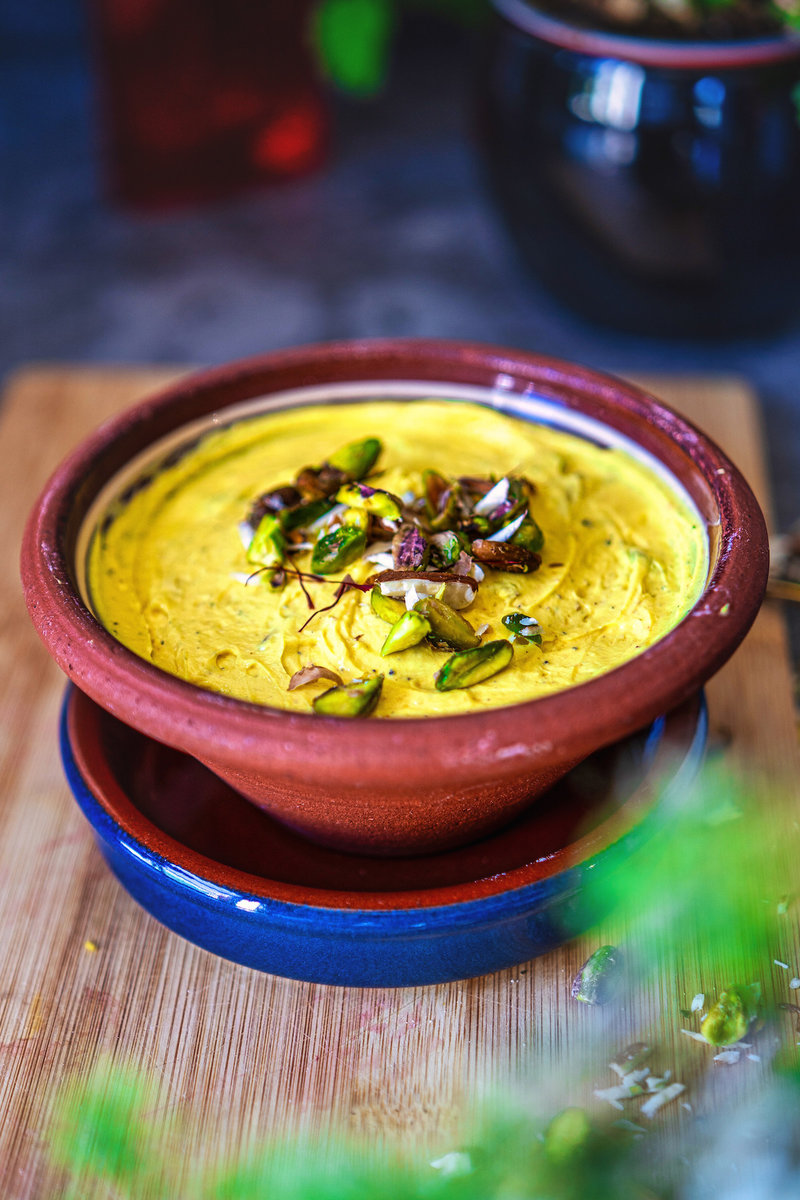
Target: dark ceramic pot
652 186
411 785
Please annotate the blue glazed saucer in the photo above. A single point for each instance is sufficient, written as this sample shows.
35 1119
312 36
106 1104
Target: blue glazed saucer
220 872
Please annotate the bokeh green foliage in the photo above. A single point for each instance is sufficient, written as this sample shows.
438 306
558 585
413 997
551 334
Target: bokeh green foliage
107 1133
353 38
712 874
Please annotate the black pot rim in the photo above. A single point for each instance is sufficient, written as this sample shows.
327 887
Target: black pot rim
650 52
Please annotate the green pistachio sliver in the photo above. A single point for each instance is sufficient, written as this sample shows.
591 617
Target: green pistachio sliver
356 699
469 667
304 515
385 607
372 500
338 549
446 624
598 979
729 1019
357 458
529 536
356 518
446 548
268 546
410 630
434 487
523 627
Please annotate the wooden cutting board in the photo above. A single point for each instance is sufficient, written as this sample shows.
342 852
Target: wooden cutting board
237 1056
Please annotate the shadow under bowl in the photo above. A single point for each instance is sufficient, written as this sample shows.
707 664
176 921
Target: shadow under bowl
397 786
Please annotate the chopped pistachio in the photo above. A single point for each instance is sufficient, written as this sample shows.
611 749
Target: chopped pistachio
357 518
385 607
357 459
409 549
478 526
446 548
729 1019
410 630
268 545
505 556
469 667
279 500
529 536
442 498
372 500
356 699
523 628
447 625
436 490
314 482
304 515
507 504
598 979
337 549
311 674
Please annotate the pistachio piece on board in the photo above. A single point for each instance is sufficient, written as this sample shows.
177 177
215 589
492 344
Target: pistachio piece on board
469 667
373 500
385 607
337 549
505 556
598 979
523 628
409 549
356 699
410 630
729 1019
446 624
268 546
357 459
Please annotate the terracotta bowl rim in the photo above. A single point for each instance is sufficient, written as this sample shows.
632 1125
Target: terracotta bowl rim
494 744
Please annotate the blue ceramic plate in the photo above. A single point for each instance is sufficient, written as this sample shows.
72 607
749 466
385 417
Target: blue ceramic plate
220 872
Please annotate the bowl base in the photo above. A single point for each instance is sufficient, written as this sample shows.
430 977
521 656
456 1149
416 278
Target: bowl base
217 870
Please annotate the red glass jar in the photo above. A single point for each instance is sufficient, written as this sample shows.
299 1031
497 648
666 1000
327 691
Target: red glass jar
202 98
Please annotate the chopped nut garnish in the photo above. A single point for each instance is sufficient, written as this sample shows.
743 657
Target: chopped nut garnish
357 699
311 674
469 667
437 541
410 630
447 625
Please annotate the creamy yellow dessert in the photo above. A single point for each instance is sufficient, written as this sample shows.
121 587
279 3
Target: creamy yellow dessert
588 555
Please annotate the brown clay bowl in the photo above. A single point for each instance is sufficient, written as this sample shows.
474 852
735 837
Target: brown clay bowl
407 785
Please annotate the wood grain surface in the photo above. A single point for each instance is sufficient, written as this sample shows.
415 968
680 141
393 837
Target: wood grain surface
236 1056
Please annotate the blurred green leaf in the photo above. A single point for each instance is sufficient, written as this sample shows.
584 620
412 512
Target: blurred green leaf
352 38
103 1129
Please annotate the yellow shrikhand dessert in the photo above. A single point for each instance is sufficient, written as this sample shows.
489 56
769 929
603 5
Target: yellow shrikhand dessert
466 516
